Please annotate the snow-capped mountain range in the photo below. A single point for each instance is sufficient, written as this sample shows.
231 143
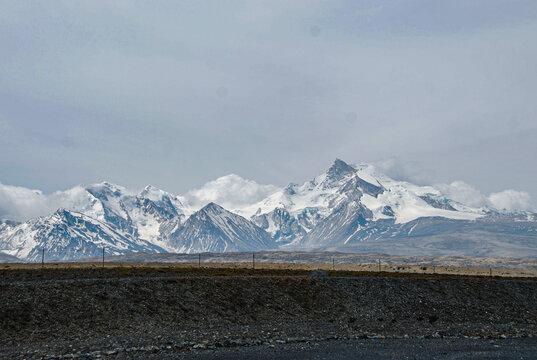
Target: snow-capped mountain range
348 208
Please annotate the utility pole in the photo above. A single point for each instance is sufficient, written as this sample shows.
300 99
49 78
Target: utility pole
253 260
333 264
379 265
199 260
43 258
103 257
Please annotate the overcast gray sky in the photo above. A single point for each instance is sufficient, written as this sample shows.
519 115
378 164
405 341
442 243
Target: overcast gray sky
177 93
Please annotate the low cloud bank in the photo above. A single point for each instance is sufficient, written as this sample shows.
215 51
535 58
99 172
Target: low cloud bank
19 203
460 191
230 191
509 200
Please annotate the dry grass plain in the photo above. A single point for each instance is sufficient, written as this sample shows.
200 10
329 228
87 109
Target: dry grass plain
334 268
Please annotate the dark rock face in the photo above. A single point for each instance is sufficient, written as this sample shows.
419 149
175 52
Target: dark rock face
444 204
338 171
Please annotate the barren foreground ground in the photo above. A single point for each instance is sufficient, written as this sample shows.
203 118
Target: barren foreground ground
176 312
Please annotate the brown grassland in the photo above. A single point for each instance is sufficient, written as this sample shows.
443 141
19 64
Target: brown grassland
268 268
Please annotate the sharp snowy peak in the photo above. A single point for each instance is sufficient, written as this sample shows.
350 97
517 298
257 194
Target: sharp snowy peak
214 229
337 175
68 235
295 210
317 193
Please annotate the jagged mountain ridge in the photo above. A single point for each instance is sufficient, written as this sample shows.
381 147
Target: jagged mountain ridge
302 207
113 218
67 234
148 215
307 206
338 209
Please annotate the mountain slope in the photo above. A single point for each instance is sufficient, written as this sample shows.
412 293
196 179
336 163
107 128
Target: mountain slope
68 235
214 229
409 202
490 236
5 258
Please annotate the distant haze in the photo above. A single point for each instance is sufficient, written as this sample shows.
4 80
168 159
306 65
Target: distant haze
176 94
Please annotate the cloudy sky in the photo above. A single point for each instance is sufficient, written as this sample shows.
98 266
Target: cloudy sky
178 93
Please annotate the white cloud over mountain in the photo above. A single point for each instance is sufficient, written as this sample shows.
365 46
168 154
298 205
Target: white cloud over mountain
19 203
230 191
509 200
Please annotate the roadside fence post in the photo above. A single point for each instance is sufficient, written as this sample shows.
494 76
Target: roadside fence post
253 260
103 257
43 258
199 260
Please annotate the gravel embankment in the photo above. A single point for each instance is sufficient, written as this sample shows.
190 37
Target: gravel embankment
91 313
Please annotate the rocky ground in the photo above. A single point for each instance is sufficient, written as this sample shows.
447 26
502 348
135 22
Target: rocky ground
154 313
